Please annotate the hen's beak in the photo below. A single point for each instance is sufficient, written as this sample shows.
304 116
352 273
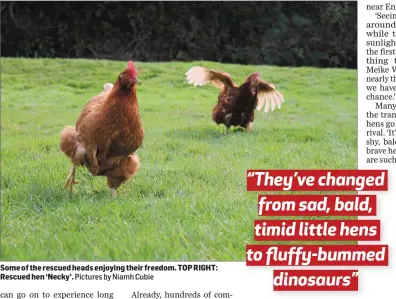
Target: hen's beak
134 80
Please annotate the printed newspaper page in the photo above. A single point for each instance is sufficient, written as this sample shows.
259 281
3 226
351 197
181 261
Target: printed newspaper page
198 149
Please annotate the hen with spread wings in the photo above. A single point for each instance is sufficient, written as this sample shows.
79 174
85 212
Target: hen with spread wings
236 104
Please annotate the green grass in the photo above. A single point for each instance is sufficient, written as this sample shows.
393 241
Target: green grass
188 201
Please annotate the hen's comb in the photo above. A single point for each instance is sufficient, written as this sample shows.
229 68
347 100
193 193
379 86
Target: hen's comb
132 68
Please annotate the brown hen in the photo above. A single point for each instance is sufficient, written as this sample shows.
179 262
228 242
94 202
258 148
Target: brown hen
236 104
107 133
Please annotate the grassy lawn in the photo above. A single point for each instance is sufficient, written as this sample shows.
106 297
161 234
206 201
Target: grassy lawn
188 201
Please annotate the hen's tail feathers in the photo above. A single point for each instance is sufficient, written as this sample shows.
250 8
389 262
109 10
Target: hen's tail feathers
70 146
107 86
127 168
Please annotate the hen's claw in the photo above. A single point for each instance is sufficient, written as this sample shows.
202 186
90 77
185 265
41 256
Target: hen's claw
70 180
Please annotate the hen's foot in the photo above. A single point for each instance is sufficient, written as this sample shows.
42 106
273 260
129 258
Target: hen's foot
70 180
113 192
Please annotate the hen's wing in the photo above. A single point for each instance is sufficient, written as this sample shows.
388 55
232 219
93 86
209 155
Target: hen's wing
268 97
94 102
199 75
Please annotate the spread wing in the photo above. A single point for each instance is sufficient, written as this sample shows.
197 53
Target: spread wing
199 75
268 97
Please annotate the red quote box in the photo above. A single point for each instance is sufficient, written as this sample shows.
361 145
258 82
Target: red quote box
317 180
317 205
317 255
316 280
317 230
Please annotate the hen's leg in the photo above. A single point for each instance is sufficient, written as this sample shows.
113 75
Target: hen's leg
227 120
249 127
248 123
102 150
70 180
93 161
